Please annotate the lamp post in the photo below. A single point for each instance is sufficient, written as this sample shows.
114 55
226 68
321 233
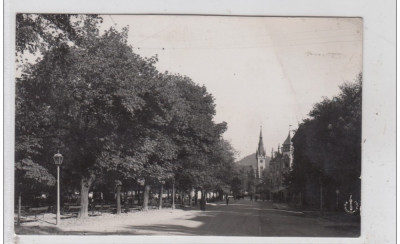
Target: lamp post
58 158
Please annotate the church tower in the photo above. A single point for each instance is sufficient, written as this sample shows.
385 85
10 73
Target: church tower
287 150
260 156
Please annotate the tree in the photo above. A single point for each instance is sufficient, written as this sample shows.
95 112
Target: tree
251 183
88 113
222 166
113 116
38 33
327 146
236 186
191 128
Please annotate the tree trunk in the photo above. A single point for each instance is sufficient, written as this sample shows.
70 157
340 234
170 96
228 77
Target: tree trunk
85 187
182 200
146 197
19 209
221 195
173 195
160 197
195 196
203 200
320 199
190 197
137 197
118 199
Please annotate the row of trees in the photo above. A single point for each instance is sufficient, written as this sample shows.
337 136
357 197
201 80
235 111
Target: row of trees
327 150
111 113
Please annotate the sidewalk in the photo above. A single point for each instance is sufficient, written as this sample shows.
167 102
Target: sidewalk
108 223
105 223
337 217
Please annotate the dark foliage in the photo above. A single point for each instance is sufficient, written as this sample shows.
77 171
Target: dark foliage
327 147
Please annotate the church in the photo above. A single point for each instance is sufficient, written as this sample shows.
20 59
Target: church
280 163
260 157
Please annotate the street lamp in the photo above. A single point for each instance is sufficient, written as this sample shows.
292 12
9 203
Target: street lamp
58 158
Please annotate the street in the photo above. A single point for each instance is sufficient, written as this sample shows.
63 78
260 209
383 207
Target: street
245 218
239 218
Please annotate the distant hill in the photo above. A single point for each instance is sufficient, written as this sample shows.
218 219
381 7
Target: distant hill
251 160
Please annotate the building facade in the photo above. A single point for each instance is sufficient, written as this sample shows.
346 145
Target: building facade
280 164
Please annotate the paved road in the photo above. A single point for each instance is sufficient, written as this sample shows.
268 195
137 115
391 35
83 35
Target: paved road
239 218
246 218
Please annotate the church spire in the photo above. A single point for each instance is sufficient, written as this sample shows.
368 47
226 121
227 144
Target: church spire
279 148
260 149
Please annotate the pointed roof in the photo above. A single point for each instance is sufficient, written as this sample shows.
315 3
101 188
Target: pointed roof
260 149
287 141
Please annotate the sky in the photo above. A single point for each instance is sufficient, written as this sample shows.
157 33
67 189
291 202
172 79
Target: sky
262 71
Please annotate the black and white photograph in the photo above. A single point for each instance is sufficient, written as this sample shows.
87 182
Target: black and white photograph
192 125
188 125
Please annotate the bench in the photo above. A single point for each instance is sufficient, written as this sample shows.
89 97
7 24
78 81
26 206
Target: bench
106 208
153 206
101 208
72 209
38 210
70 204
130 207
96 208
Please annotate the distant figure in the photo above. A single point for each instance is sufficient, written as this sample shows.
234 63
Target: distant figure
227 200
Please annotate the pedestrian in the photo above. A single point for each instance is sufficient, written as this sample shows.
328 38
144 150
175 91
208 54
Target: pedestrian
227 199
